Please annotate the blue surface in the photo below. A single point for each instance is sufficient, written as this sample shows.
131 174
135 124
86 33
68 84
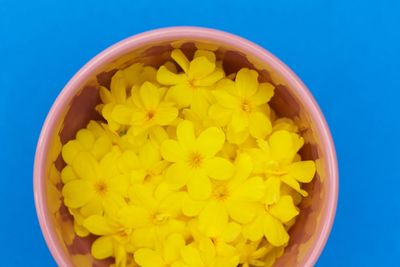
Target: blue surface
347 52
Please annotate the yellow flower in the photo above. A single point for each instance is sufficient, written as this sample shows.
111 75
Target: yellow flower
192 88
236 198
203 253
269 222
241 106
253 253
100 187
194 160
168 253
87 139
275 159
157 214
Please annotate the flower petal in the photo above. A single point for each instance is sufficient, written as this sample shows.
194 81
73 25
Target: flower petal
200 104
205 53
302 171
219 168
118 87
70 150
213 218
280 144
210 141
284 210
274 231
191 256
290 181
166 113
246 82
272 190
254 231
199 185
172 248
133 216
150 95
244 167
167 77
191 207
182 94
77 193
93 207
220 115
172 151
231 232
102 247
148 258
86 138
240 121
259 125
211 79
241 211
98 225
225 98
177 175
180 59
122 114
264 94
251 190
185 134
200 67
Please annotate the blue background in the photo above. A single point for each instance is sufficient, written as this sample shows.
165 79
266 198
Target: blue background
347 52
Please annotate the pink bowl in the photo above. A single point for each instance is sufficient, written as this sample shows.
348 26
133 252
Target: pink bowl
74 107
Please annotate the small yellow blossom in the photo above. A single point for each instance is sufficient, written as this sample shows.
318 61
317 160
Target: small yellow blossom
241 106
192 88
194 160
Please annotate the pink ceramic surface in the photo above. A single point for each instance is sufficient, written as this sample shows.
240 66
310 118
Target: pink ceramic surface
74 107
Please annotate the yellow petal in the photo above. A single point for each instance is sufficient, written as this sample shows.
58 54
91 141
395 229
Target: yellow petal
200 104
207 250
172 247
185 134
70 150
224 98
236 137
220 115
150 95
211 79
240 121
181 94
80 230
148 258
157 135
93 207
102 247
251 190
274 231
259 125
122 114
244 167
68 174
165 114
128 161
213 218
210 141
133 216
120 256
98 225
246 82
199 185
77 193
284 210
86 138
272 190
132 73
177 175
204 53
167 77
219 168
254 231
290 181
105 95
101 146
172 151
241 211
200 67
191 207
280 144
180 59
191 256
231 232
118 87
302 171
264 94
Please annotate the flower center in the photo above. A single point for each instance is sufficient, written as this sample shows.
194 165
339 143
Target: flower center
101 188
221 192
246 107
195 160
159 218
150 114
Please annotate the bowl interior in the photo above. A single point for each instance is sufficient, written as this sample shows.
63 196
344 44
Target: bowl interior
79 109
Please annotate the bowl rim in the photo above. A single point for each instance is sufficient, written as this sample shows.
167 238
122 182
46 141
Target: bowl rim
185 32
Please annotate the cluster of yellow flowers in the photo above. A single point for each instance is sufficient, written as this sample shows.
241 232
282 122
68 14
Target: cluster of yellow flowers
190 167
